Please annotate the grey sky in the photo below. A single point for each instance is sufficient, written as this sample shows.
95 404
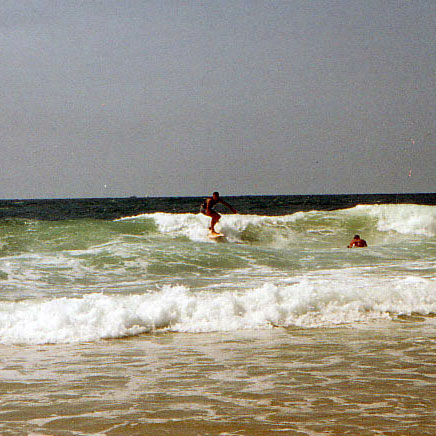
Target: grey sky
149 98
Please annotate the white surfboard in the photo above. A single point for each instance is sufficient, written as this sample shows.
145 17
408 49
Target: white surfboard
216 236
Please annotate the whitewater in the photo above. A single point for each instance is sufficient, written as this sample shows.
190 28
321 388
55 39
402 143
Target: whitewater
75 281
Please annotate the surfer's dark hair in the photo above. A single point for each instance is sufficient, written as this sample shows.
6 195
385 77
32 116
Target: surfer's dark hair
356 237
217 193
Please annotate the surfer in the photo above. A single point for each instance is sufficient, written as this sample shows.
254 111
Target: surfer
357 242
207 209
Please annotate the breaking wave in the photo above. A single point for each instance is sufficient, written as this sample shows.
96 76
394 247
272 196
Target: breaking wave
407 219
305 303
88 280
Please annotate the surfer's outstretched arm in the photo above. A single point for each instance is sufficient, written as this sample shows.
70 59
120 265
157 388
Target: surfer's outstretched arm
228 205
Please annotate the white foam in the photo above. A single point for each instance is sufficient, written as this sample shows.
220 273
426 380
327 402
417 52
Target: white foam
408 219
320 301
195 226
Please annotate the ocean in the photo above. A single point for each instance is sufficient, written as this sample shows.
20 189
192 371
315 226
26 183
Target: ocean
121 317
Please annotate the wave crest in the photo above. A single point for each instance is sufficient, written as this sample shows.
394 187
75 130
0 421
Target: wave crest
407 219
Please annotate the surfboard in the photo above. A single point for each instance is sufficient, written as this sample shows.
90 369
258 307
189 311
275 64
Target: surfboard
216 236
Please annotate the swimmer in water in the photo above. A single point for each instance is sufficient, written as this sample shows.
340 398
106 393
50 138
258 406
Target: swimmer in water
357 242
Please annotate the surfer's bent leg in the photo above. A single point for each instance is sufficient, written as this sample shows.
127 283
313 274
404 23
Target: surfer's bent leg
215 218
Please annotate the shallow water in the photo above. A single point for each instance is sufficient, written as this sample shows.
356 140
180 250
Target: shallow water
367 380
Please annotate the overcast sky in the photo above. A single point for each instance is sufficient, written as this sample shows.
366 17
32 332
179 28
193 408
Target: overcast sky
103 98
